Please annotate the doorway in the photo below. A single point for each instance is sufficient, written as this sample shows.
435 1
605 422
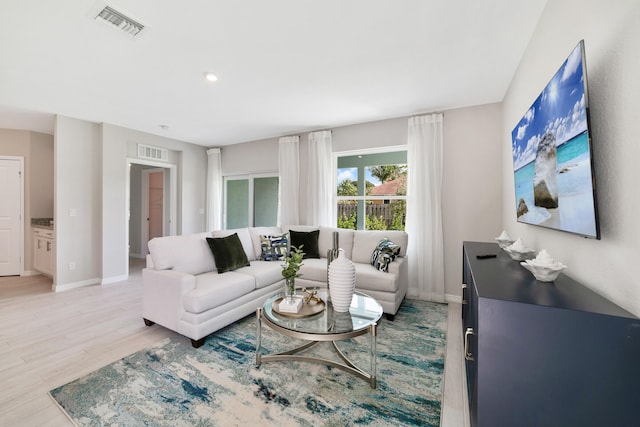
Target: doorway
151 204
11 215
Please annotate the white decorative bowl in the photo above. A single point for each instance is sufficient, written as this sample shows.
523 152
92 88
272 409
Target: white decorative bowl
544 273
520 255
503 243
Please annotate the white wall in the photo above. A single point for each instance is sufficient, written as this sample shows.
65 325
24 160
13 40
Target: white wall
472 155
471 185
77 203
41 197
135 210
250 157
91 177
612 36
118 144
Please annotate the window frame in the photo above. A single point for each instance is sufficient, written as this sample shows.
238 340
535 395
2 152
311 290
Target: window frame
364 198
250 177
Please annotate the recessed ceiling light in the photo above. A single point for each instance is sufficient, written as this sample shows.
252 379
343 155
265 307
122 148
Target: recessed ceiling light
210 77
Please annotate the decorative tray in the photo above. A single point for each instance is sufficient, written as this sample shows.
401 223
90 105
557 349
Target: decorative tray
307 310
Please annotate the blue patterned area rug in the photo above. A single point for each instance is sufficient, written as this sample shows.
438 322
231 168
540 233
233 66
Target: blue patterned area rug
173 384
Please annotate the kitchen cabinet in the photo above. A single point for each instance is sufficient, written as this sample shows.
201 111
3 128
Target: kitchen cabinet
43 248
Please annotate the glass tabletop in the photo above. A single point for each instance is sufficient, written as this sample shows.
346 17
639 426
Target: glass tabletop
364 311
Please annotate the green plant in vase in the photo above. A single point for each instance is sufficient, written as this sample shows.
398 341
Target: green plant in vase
290 270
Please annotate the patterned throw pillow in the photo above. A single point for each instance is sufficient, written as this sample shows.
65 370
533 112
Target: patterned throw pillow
273 247
384 254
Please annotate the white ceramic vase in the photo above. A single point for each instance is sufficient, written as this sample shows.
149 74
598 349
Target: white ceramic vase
342 282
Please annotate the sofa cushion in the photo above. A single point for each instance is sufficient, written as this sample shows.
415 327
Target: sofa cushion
228 253
265 272
364 242
256 232
213 289
273 247
189 253
345 240
314 269
245 238
307 241
370 278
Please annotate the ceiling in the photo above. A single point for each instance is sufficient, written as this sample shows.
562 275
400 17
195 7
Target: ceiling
283 66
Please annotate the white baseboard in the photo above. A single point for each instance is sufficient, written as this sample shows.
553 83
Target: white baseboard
30 273
113 279
73 285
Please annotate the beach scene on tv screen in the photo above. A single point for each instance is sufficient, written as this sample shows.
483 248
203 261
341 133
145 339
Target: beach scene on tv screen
551 155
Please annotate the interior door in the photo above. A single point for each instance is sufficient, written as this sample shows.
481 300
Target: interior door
10 216
153 204
156 204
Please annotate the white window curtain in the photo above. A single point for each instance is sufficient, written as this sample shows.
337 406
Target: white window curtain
214 189
320 180
289 180
424 208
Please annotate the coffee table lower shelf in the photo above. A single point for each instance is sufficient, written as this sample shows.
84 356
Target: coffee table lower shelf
315 338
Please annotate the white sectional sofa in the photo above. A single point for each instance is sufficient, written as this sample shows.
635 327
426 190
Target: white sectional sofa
183 291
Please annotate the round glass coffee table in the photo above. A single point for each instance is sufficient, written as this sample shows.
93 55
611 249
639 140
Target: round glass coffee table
326 325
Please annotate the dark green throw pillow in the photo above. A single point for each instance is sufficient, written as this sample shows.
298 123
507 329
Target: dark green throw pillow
228 252
308 240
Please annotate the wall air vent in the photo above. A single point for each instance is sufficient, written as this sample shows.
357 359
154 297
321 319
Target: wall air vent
119 20
152 153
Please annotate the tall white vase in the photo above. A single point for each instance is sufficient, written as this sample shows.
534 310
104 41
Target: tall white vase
342 282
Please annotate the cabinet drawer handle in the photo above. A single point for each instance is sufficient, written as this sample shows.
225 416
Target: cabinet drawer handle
467 354
464 293
48 246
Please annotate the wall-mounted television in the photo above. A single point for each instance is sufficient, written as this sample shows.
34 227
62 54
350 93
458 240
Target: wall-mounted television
552 155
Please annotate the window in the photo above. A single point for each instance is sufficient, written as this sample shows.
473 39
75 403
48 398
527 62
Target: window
251 201
371 190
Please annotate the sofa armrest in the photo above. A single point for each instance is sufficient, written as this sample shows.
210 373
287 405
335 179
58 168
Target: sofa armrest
400 266
162 295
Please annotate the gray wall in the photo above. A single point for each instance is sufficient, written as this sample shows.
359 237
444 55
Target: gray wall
37 150
472 155
612 36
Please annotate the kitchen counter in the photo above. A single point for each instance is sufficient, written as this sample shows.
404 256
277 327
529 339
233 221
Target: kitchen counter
43 223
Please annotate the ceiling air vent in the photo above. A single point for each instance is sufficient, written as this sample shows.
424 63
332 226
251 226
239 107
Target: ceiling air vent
119 20
152 153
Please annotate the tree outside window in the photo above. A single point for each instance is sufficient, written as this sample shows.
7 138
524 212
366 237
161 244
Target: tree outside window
371 191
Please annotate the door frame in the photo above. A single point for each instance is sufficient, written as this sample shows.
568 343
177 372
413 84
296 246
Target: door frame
20 160
172 199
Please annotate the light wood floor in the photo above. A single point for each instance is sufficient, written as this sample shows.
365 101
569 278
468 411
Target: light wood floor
51 338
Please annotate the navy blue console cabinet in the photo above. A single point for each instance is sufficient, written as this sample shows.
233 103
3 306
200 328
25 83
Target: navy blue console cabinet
545 354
